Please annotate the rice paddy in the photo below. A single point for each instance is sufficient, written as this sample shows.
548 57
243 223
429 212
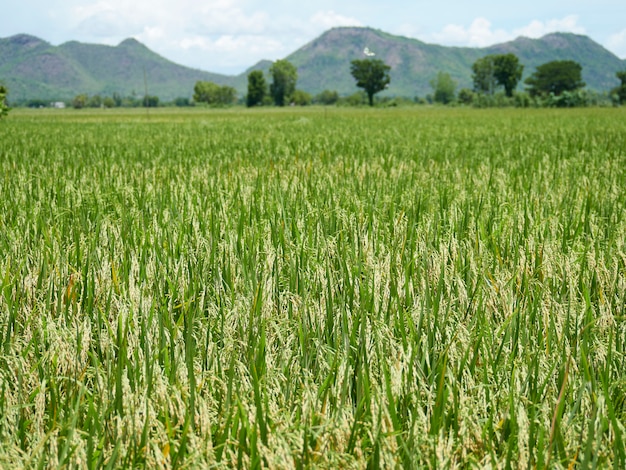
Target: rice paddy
321 288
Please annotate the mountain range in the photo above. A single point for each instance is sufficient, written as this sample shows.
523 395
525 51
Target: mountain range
34 69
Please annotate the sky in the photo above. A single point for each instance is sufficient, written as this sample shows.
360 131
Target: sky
228 36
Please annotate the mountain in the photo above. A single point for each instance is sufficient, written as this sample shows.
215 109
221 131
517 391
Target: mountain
33 68
324 63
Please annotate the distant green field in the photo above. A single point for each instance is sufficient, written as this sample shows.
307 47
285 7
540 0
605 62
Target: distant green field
313 288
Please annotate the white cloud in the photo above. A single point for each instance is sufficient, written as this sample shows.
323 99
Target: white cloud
480 32
230 43
224 54
224 36
228 20
330 19
152 33
409 30
211 17
617 43
234 40
216 35
537 28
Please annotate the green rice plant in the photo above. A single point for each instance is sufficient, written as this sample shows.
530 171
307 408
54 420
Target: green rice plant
313 288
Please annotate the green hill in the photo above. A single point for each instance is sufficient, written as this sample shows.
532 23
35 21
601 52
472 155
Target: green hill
325 62
33 68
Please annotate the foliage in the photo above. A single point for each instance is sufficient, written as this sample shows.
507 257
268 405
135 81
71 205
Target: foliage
301 98
620 91
497 70
37 103
555 78
182 102
150 101
83 100
117 99
95 101
443 88
80 101
4 107
214 94
483 75
326 97
567 99
522 100
507 71
422 288
372 75
108 102
284 77
257 88
397 101
466 96
356 99
497 100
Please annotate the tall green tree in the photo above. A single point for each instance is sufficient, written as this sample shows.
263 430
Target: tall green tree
4 108
483 75
507 71
372 75
555 77
213 94
257 88
443 87
284 77
496 70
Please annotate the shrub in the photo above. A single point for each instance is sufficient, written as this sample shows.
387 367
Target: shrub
326 97
301 98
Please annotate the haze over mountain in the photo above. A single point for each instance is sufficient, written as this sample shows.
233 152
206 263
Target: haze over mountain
33 68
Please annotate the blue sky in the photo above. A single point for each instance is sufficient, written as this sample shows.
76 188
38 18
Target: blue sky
228 36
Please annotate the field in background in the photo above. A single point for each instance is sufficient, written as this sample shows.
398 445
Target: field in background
303 288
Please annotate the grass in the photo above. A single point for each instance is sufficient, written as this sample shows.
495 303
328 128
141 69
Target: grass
313 288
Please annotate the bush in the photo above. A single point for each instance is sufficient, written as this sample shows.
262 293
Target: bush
213 94
326 97
301 98
36 103
150 101
497 100
108 102
4 108
356 99
567 99
80 101
395 101
95 101
521 100
182 102
466 96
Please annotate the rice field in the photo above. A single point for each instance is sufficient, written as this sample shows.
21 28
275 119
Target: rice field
320 288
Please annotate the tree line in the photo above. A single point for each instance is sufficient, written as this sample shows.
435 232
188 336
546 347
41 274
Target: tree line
555 83
495 80
281 91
